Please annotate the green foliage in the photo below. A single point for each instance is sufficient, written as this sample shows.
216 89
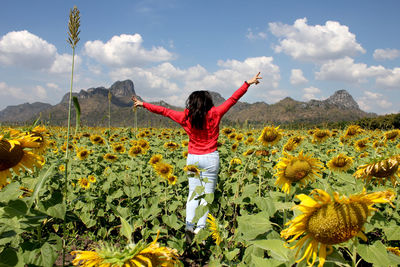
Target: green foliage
129 202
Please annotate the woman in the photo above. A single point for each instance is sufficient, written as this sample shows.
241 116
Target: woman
201 121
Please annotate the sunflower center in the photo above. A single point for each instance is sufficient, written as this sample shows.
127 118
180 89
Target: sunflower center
270 136
335 223
164 170
384 170
297 170
340 162
40 139
9 159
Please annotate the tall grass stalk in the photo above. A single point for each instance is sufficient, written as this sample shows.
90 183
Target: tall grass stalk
109 112
73 39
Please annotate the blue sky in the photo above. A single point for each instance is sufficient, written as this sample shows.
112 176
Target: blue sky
303 49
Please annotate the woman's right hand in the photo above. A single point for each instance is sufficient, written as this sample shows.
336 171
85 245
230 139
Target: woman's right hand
136 102
255 79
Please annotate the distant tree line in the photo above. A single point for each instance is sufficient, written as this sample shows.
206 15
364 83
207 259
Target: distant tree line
384 122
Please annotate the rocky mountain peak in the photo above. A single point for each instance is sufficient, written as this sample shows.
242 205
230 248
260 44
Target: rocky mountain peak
123 89
217 98
343 99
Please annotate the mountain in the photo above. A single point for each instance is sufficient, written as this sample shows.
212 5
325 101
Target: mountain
23 112
94 109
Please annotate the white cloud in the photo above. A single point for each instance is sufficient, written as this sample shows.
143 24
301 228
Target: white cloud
346 70
63 63
310 92
273 96
374 101
315 43
15 95
22 48
390 80
297 77
125 51
26 50
386 54
40 92
173 84
255 36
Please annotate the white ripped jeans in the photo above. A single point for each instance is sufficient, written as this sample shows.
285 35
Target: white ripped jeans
209 164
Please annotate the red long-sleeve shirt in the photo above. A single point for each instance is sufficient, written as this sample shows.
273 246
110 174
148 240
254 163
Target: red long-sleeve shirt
201 141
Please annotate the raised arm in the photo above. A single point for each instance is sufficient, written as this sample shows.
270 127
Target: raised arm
177 116
224 107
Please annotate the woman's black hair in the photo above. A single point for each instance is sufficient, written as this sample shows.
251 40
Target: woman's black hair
198 104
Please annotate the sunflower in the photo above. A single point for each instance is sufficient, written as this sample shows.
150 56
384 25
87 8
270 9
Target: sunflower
135 151
70 147
163 169
214 228
250 140
110 157
328 221
144 144
352 131
172 179
227 131
361 144
155 159
235 162
41 133
141 135
340 163
292 143
84 183
330 151
380 171
171 145
133 142
392 135
394 250
13 155
92 178
239 137
234 147
363 155
263 152
185 143
82 154
135 255
185 154
97 139
248 152
26 192
232 136
192 170
61 168
270 136
320 136
119 148
86 134
291 169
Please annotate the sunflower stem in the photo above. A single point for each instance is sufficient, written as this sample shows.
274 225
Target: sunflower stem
135 123
354 254
284 210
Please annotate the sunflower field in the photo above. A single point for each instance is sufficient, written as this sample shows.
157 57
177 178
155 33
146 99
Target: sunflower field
316 197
